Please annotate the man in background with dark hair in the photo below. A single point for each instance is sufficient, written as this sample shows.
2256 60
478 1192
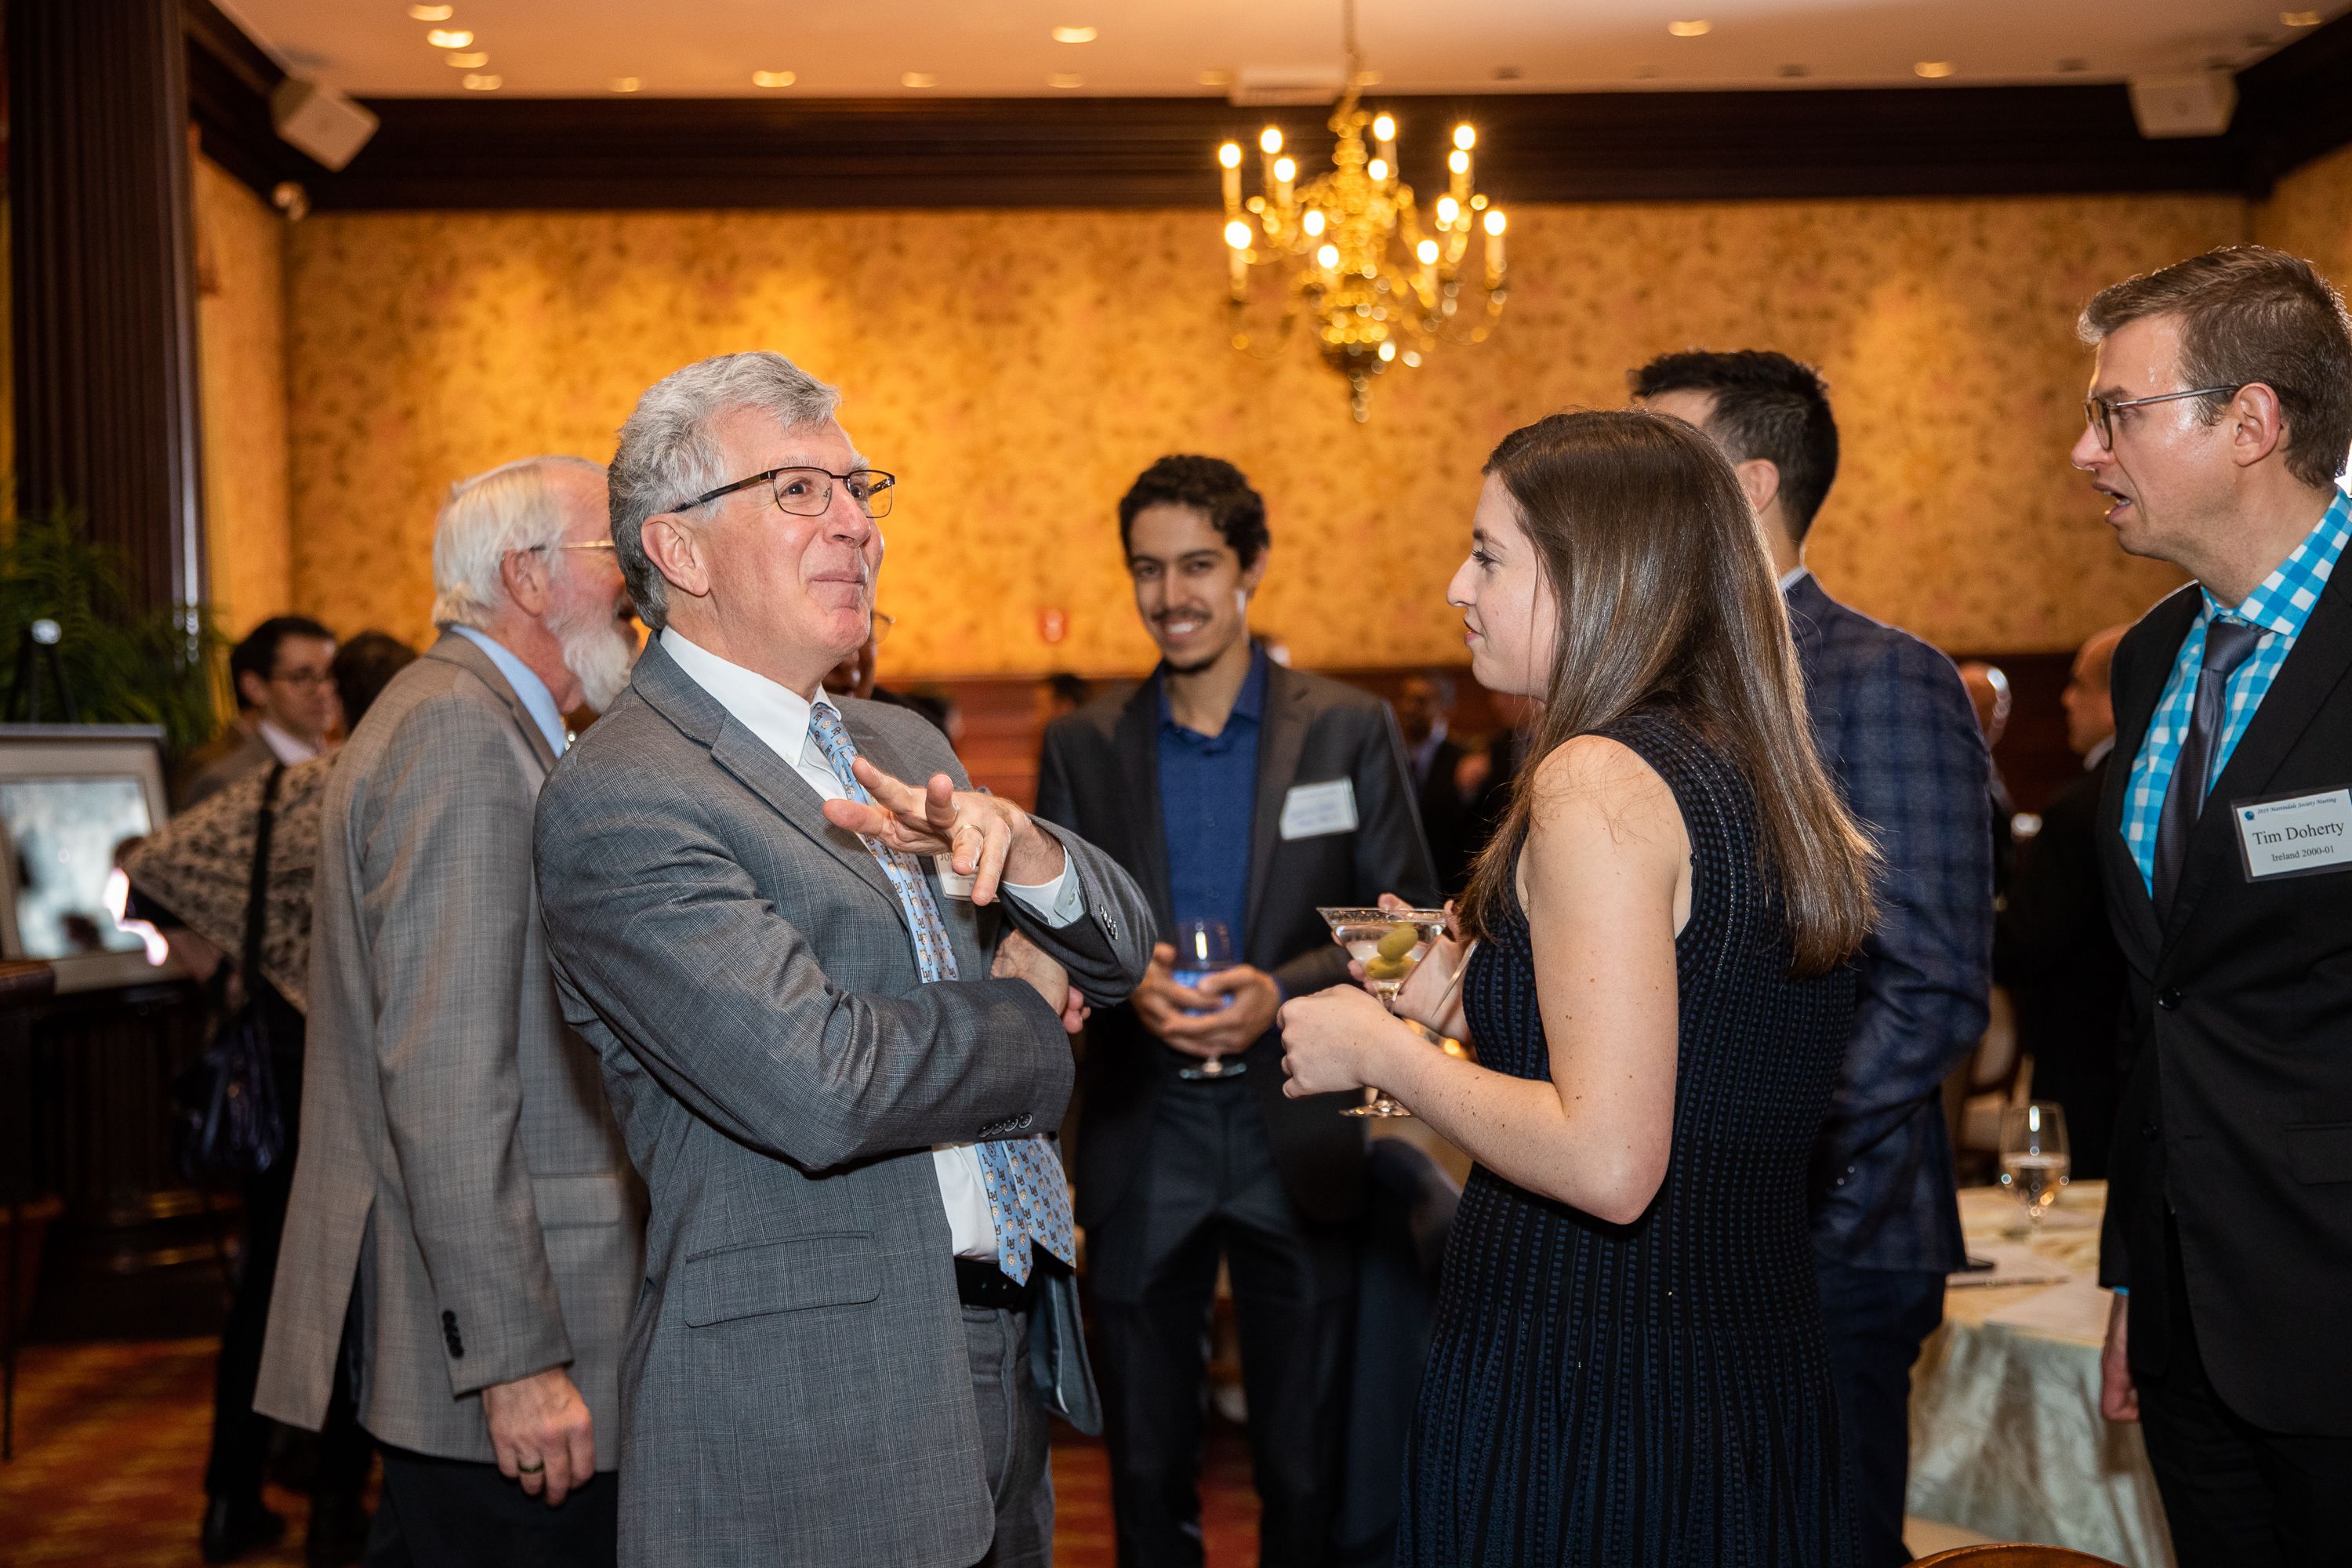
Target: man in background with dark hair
1895 726
283 676
2053 948
1238 792
2219 415
1424 705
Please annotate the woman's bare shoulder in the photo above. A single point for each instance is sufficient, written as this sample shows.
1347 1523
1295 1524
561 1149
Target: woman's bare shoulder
1592 780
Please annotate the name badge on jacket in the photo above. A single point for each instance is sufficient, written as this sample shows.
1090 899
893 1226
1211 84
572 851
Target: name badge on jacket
2294 836
1312 810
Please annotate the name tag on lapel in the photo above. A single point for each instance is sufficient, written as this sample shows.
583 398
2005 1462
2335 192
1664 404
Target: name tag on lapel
1312 810
2294 836
951 885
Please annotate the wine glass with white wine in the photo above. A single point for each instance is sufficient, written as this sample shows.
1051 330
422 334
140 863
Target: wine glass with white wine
2034 1157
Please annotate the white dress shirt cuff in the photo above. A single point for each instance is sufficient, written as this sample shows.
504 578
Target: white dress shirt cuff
1057 903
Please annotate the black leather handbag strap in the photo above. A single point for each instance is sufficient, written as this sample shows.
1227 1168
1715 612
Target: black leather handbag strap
256 898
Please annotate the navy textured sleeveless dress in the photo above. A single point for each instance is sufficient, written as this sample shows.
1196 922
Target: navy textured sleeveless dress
1659 1391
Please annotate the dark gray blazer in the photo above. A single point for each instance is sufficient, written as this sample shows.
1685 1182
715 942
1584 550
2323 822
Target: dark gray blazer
795 1387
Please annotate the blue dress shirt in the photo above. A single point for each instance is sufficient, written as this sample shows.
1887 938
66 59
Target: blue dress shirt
1207 799
2280 604
537 700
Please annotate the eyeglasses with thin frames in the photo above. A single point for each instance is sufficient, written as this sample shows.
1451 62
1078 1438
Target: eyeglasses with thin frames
2099 413
807 491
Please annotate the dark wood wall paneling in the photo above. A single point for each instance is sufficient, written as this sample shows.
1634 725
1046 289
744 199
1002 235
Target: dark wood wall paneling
102 302
625 152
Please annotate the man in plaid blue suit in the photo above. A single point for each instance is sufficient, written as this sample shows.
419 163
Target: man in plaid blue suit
1894 723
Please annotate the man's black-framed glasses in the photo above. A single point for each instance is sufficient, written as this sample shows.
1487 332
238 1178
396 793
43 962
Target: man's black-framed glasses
2099 413
807 492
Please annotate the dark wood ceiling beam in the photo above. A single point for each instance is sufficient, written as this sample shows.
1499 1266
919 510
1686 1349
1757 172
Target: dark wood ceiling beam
487 152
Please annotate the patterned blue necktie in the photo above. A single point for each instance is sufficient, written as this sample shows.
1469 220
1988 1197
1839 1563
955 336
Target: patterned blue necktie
1027 1198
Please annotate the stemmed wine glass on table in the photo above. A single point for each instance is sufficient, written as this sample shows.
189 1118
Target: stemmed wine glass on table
1391 944
2034 1157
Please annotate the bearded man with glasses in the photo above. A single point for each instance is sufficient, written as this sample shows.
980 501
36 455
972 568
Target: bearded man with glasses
833 1011
2219 418
464 1217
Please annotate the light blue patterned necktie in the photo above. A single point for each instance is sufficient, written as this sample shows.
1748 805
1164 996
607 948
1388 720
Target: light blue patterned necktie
1027 1198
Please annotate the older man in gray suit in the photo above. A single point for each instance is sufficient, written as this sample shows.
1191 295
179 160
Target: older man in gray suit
830 1055
458 1155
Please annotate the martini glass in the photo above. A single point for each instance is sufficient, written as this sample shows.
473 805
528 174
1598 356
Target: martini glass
1391 943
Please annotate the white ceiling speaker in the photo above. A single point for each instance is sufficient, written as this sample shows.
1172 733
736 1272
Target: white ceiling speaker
2195 103
320 121
1274 86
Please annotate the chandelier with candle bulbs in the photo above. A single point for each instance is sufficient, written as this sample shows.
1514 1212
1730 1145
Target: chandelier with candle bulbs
1349 251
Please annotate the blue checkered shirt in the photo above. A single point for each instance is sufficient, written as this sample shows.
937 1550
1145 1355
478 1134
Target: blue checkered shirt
2280 605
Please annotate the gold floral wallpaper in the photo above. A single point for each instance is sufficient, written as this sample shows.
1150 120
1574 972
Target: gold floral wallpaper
1018 368
2310 214
241 367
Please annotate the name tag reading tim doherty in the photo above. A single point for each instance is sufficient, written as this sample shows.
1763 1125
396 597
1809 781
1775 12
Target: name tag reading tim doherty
1312 810
2294 836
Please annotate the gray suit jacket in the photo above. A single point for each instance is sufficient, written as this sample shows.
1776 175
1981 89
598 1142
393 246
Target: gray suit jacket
457 1153
796 1388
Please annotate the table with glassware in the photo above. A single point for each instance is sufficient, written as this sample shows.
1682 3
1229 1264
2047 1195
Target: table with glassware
2006 1435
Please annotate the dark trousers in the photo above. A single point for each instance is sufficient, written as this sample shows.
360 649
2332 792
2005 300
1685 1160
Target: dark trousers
454 1514
1876 1318
1209 1185
2235 1495
241 1435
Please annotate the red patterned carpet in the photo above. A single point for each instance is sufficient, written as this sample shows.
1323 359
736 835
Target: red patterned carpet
110 1453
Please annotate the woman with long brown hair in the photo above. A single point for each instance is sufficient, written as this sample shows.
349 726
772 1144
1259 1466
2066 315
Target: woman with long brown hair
1628 1365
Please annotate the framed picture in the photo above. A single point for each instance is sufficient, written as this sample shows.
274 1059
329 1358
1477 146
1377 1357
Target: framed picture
72 796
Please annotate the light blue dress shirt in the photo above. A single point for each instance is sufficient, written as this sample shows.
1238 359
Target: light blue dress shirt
537 700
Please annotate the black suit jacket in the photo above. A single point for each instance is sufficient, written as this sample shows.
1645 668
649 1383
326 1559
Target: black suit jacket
2237 1111
1100 776
2053 948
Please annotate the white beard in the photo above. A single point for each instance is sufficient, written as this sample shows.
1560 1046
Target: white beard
596 650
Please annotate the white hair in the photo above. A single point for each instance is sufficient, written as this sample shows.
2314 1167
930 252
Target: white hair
669 455
512 507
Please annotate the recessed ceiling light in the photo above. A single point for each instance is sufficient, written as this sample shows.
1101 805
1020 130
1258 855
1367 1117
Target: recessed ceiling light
772 79
1696 28
2298 18
918 79
1074 35
443 39
473 61
1217 78
1066 79
2073 63
1796 70
1934 68
431 13
626 84
484 83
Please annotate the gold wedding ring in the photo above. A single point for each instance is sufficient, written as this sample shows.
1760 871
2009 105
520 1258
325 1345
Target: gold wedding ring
531 1470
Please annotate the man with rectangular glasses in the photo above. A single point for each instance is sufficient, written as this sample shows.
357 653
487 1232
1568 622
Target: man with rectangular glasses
833 1012
2220 414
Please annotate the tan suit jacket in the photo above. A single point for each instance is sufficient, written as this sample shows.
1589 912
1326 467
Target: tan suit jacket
458 1155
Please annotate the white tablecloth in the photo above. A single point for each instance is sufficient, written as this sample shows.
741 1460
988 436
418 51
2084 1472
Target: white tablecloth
2006 1435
